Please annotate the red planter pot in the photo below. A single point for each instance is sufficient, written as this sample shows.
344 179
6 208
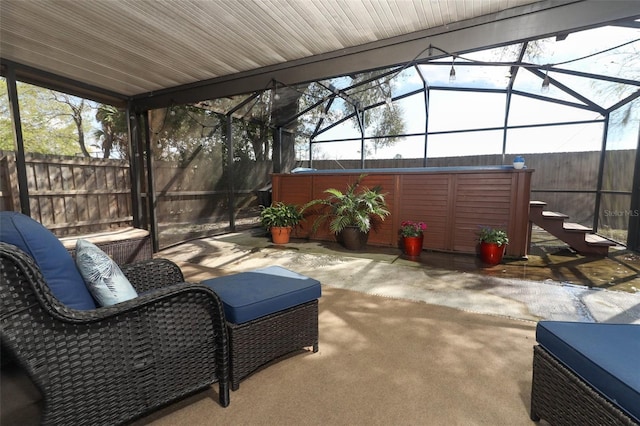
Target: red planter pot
412 246
491 253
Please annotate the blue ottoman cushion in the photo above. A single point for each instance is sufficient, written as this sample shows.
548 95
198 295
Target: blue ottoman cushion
254 294
603 355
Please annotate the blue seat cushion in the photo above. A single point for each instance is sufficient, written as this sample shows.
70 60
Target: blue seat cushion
54 261
254 294
604 355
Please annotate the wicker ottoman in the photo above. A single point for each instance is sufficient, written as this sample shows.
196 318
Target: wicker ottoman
586 374
270 312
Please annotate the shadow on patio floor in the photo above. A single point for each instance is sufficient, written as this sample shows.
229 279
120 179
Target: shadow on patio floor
549 259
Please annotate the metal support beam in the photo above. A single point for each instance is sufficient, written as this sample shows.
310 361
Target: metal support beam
512 78
59 83
425 88
507 109
360 118
230 162
633 234
230 187
152 201
590 104
277 152
21 167
603 153
134 166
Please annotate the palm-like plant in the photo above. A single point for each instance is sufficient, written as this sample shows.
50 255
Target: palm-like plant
353 208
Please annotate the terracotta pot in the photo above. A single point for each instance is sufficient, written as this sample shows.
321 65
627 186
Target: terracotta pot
412 246
491 253
280 235
352 238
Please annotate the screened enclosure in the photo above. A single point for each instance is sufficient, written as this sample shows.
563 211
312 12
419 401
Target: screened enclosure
201 186
568 104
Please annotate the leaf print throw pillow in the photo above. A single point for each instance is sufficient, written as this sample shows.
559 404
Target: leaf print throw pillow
101 274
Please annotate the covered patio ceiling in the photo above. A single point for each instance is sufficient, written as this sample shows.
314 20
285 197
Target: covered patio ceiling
155 54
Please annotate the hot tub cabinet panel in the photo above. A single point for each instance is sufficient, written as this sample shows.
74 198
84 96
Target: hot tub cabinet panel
454 202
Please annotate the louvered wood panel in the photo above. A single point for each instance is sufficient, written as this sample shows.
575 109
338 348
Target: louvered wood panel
481 200
297 194
425 198
454 203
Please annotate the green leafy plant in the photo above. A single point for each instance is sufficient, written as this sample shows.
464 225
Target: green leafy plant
353 208
493 235
280 215
412 229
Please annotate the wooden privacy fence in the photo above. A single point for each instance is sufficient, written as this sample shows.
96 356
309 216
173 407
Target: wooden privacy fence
199 191
70 195
77 195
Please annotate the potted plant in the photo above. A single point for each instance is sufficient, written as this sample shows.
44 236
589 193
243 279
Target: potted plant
280 218
350 213
412 234
493 241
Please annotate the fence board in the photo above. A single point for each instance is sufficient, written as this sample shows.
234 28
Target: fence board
71 195
8 183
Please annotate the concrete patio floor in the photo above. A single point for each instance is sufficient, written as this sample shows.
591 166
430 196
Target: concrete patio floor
553 283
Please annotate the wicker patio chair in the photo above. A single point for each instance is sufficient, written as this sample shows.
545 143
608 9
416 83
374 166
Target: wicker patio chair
113 364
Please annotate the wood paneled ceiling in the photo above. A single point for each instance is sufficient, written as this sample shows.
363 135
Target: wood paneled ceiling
140 48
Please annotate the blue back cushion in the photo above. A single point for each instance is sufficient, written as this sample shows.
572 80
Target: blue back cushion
55 263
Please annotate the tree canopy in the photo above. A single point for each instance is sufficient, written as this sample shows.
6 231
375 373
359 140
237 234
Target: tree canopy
52 122
57 123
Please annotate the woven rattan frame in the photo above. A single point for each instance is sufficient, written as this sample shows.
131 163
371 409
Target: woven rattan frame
113 364
126 251
258 342
562 398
